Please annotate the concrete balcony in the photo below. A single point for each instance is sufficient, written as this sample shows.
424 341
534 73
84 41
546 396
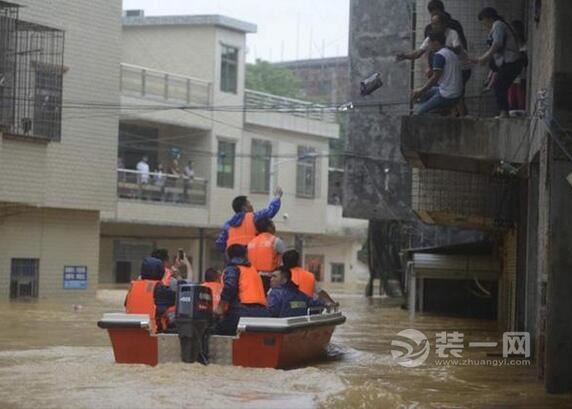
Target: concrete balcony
159 199
293 115
464 144
337 224
160 97
462 199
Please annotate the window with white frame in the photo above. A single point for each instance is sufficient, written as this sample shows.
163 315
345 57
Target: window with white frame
225 164
338 271
260 166
229 69
306 172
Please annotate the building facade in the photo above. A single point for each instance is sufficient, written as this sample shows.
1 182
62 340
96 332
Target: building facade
507 178
57 154
183 99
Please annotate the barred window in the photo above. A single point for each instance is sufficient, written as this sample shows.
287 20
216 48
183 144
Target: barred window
31 77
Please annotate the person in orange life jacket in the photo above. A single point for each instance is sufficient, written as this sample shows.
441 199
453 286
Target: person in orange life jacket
265 250
213 280
168 279
285 299
240 229
147 295
304 279
242 293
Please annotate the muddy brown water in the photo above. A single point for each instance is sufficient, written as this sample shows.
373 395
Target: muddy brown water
54 357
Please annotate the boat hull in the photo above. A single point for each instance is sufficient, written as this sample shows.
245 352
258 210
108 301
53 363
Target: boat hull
260 342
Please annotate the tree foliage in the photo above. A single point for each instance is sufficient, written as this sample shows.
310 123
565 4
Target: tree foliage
265 77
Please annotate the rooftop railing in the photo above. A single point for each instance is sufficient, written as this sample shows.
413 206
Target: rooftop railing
145 82
161 187
255 100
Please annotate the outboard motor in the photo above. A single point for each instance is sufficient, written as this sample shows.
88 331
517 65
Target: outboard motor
193 316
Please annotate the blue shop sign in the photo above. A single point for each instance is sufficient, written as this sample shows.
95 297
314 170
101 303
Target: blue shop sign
75 277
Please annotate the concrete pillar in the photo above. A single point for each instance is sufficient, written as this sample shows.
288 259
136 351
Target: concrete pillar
558 369
531 281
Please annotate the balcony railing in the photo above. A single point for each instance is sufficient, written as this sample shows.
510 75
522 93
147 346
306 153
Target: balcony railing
260 101
161 187
145 82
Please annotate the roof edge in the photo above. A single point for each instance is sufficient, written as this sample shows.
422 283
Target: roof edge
191 20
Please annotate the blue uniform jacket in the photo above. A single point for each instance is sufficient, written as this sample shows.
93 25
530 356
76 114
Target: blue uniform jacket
236 220
288 301
230 291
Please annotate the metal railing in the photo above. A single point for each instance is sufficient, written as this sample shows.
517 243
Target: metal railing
145 82
161 187
255 100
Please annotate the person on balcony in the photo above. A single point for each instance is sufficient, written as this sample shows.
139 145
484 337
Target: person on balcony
240 228
242 293
160 180
188 176
445 87
265 250
437 6
440 24
503 56
143 176
285 298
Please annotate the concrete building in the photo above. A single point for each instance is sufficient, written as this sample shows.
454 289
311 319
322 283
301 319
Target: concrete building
183 98
57 157
508 178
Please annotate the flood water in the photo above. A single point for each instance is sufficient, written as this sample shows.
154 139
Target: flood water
52 356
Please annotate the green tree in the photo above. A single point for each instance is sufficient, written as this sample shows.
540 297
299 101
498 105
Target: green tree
265 77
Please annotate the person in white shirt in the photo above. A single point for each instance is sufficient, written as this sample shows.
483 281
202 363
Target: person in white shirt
143 169
440 23
445 87
188 175
143 176
452 40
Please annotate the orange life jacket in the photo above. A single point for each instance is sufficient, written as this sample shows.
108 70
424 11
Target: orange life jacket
261 252
140 300
305 280
250 287
216 289
167 277
244 233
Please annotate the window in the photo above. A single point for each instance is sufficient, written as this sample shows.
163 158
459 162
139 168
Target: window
260 166
306 173
229 69
47 103
24 277
31 78
338 272
225 168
